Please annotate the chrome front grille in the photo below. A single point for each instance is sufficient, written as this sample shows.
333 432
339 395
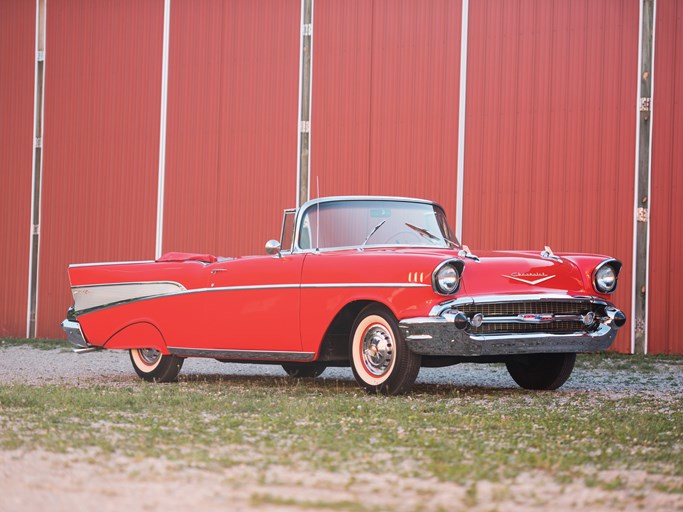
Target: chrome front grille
554 313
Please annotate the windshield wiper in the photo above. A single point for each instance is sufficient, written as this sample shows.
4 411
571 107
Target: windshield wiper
428 234
371 233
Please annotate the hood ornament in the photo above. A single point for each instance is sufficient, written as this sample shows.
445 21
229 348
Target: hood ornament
522 278
465 252
548 254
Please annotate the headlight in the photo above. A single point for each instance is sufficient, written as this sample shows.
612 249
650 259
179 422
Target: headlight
605 276
446 277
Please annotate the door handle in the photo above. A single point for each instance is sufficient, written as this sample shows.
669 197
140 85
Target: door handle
216 270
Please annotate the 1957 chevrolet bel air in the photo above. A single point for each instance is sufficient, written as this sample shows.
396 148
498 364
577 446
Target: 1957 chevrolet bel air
376 283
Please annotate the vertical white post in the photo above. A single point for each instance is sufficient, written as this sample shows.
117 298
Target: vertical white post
642 185
36 170
462 107
162 131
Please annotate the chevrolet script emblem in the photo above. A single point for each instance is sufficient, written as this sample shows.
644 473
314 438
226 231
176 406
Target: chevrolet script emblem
523 278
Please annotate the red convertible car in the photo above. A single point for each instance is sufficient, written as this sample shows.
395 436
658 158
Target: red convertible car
375 283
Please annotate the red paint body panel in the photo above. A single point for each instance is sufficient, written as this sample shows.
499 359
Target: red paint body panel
550 129
287 303
232 124
666 208
17 62
102 112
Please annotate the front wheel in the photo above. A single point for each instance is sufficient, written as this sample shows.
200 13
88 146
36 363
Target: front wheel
541 371
380 360
153 366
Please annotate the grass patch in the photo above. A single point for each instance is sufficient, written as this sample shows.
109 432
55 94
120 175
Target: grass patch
451 433
639 363
40 344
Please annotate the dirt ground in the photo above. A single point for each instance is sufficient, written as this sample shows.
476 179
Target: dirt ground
33 480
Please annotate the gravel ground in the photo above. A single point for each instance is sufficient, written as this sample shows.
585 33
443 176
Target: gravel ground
22 364
39 480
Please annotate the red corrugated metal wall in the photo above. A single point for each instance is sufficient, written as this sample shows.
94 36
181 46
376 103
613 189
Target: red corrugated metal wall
385 98
551 129
232 124
666 208
17 62
101 144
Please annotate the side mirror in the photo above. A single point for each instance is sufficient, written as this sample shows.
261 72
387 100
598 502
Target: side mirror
273 248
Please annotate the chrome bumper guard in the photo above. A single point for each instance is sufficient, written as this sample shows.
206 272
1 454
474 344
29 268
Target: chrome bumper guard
76 338
446 331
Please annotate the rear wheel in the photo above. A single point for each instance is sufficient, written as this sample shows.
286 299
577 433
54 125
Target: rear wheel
541 371
153 366
304 370
380 360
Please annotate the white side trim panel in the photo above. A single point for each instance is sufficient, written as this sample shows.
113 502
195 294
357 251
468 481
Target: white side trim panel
462 107
93 296
162 131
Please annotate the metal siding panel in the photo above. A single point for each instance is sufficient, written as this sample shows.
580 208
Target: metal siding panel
193 130
258 123
340 125
550 130
17 60
102 108
232 124
414 99
666 213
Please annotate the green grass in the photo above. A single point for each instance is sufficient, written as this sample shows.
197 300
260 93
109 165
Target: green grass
453 434
41 344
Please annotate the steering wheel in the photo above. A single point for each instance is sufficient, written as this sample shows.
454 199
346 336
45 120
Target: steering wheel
404 238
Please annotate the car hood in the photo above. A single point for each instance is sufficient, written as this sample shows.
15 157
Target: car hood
517 272
521 272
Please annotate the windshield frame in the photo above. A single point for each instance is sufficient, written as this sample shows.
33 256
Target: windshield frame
305 208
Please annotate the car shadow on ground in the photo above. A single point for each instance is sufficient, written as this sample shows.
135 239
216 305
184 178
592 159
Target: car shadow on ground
341 385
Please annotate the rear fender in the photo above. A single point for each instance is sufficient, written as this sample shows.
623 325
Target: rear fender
138 335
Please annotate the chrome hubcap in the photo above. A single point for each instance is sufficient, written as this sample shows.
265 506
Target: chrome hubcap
377 350
149 356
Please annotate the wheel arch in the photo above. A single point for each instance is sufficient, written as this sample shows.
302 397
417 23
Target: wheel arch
335 343
138 335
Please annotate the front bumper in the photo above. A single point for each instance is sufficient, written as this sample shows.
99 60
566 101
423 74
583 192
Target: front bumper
75 336
447 331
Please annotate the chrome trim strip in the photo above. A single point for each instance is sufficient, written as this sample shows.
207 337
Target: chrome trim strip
525 319
102 285
250 355
76 265
366 285
497 299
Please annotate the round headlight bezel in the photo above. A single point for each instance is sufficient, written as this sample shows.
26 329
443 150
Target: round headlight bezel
606 276
446 277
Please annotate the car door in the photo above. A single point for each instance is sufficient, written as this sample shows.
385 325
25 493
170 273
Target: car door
251 304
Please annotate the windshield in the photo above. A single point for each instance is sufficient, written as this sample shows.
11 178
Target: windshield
362 223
